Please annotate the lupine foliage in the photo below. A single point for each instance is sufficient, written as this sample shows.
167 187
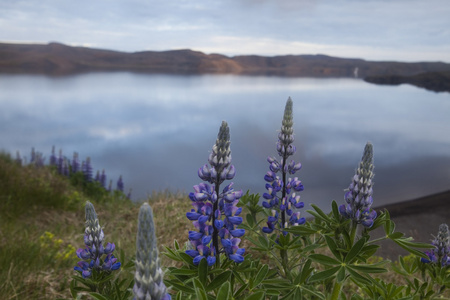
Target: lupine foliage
286 257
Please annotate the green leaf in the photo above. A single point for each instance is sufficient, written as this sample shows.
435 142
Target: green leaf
98 296
324 274
335 210
407 247
357 277
354 251
340 277
179 286
188 272
306 271
200 292
395 235
250 220
256 296
368 269
176 245
324 260
333 247
259 277
224 291
300 230
321 213
218 281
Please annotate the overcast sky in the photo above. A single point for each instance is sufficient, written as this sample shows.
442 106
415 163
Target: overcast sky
405 30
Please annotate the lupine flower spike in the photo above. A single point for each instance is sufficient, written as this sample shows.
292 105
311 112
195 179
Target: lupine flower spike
119 185
282 206
215 213
148 279
359 194
91 255
440 254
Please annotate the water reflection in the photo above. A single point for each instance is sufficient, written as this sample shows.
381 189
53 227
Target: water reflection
157 130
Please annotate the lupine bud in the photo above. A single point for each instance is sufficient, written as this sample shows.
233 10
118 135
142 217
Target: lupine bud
148 278
441 253
359 193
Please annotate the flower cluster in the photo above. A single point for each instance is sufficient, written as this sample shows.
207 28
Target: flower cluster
215 213
358 196
92 254
148 278
440 254
282 206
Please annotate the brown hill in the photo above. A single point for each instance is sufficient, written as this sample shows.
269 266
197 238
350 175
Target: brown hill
59 59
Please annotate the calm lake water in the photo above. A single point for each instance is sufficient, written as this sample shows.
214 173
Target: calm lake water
157 130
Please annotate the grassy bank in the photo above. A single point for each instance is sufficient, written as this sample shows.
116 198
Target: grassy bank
42 224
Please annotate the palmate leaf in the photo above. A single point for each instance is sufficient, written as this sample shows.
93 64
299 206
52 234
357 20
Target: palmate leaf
98 296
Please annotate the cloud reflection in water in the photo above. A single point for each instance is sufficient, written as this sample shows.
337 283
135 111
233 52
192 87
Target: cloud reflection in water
157 130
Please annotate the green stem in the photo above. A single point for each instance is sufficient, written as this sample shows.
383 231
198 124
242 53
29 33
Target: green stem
284 262
336 291
353 233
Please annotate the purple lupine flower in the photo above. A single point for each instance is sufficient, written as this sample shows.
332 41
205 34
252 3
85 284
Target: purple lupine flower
215 214
103 179
283 207
87 169
119 185
148 278
75 163
358 196
60 162
440 254
53 157
92 254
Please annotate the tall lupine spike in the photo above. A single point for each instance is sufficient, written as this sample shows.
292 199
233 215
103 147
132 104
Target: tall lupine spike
282 206
53 157
103 179
92 253
120 184
87 170
215 213
33 156
358 196
60 162
75 163
148 278
440 254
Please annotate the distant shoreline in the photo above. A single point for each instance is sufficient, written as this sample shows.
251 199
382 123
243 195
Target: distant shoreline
56 59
